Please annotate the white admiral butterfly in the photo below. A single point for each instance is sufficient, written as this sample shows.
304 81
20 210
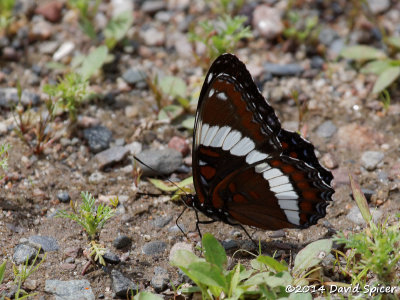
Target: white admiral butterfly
247 170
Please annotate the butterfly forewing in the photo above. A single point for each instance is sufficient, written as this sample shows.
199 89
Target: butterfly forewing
245 167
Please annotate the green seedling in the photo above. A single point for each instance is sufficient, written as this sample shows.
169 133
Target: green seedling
220 36
6 15
226 7
33 128
267 278
90 217
87 13
375 251
69 94
302 30
4 157
376 62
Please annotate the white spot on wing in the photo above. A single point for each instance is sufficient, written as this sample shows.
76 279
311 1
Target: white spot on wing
204 129
220 136
292 216
282 188
244 146
232 138
287 195
210 135
278 181
210 76
289 204
210 93
222 96
272 173
202 163
262 167
255 156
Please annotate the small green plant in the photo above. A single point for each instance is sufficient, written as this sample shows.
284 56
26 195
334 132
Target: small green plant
267 279
6 7
377 62
117 28
4 157
90 217
97 251
31 127
145 296
69 93
21 273
221 35
301 30
87 12
375 250
170 88
227 7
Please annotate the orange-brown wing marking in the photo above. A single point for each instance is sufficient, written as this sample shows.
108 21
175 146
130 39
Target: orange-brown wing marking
208 172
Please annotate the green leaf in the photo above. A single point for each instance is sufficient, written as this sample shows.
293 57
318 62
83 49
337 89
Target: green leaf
213 251
394 41
360 200
279 279
386 78
361 52
93 62
376 67
171 188
146 296
311 255
208 274
300 296
117 28
170 112
2 271
173 86
184 258
272 263
188 123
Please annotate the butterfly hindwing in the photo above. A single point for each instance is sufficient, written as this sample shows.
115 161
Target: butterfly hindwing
247 169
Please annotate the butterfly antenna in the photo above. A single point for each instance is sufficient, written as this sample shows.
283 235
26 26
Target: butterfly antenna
155 171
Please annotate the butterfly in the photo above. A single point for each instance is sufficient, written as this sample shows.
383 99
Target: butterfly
247 170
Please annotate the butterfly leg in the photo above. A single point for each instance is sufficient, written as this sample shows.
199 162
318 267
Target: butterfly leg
251 239
201 222
176 222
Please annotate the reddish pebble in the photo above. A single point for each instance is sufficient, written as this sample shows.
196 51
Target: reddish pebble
68 266
180 145
51 11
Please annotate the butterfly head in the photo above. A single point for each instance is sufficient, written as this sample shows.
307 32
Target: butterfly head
189 200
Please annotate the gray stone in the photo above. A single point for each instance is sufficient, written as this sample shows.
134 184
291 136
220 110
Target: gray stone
9 98
326 129
69 290
355 216
160 279
121 284
371 159
336 47
283 70
327 35
63 197
152 7
378 6
134 148
230 244
111 258
22 251
98 138
122 241
154 248
47 243
317 62
134 75
160 162
110 156
161 222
